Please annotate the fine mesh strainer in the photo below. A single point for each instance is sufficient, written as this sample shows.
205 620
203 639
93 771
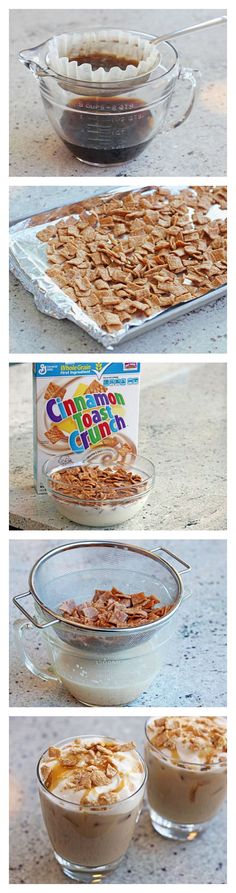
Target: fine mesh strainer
75 570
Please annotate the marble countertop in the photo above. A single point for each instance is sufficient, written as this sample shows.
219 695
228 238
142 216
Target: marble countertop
194 673
198 148
150 858
182 428
200 331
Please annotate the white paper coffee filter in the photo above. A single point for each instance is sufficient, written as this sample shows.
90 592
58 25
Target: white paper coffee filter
117 43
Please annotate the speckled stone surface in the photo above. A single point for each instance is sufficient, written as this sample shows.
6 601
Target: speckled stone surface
196 148
201 331
182 428
194 669
150 858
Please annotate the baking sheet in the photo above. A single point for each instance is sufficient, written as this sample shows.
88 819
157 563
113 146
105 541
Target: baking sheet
28 262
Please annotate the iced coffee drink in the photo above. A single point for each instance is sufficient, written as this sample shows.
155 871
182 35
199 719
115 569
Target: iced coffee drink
187 769
91 792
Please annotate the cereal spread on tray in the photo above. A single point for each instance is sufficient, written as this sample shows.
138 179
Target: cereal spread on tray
94 484
113 608
130 257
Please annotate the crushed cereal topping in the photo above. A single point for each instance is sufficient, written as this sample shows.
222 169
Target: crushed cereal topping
205 735
86 766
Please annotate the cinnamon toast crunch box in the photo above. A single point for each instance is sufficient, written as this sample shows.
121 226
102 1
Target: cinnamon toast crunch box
83 408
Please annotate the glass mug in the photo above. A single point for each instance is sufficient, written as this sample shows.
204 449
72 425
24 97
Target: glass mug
112 122
89 842
183 796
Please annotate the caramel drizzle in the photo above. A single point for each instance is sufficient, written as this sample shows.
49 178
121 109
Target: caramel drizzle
57 774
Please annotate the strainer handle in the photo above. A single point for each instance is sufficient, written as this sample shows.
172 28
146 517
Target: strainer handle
20 627
185 565
17 598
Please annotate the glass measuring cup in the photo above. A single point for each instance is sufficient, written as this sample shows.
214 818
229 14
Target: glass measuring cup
112 122
100 666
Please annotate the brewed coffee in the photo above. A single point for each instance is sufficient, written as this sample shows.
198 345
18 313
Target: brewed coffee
103 60
115 134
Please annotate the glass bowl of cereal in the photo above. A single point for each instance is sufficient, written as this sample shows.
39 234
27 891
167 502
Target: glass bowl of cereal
98 496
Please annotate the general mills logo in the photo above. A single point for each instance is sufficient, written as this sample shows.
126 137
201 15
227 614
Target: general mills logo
42 369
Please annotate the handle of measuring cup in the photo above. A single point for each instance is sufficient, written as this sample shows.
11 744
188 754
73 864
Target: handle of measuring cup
191 79
20 629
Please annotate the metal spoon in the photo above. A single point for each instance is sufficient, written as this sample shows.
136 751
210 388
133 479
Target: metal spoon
220 21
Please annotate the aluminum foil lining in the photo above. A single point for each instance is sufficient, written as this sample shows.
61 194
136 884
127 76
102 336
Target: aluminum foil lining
117 43
28 262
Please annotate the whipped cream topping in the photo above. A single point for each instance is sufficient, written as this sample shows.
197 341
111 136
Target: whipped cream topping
199 740
88 771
